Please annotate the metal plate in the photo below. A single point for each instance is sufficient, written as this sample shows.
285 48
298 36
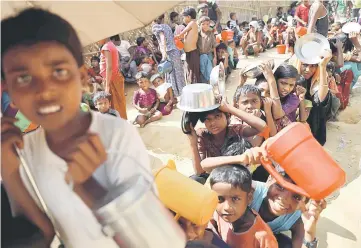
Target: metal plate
218 79
351 27
310 48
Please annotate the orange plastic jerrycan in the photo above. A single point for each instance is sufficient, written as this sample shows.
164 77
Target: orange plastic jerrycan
301 31
227 35
184 196
315 173
178 43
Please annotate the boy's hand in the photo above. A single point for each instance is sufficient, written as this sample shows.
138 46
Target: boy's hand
225 107
84 156
193 137
310 215
167 108
152 110
300 92
267 104
10 135
242 78
267 71
253 156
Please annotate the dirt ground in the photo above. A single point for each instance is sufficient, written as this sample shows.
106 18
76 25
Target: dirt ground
340 224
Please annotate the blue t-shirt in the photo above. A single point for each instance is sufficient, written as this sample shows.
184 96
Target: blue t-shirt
281 223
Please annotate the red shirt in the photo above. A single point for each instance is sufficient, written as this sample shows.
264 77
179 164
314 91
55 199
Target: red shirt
302 12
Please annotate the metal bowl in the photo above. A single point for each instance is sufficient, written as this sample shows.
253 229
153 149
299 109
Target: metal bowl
311 47
218 79
197 98
254 70
351 27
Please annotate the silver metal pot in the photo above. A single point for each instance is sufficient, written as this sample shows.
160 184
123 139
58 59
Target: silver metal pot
198 98
135 218
253 70
218 80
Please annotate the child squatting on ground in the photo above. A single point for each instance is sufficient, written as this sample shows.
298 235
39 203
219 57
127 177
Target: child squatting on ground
69 143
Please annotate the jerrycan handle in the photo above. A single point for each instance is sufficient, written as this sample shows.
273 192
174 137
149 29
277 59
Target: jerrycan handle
290 186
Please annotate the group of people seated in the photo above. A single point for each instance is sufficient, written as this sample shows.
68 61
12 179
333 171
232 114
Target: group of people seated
254 210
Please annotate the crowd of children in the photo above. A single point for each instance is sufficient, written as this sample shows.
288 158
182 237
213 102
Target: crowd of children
253 208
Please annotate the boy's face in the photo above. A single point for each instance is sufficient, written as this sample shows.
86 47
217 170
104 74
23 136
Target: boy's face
282 201
187 19
205 26
95 63
285 86
103 105
249 102
47 88
232 202
216 122
264 88
220 53
157 82
143 83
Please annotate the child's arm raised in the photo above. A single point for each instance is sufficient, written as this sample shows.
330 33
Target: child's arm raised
256 124
267 106
187 29
249 157
196 155
276 106
323 84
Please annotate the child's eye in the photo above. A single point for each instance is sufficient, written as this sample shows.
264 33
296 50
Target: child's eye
297 197
235 198
220 199
23 80
61 73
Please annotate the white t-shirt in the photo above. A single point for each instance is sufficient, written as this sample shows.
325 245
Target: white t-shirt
123 48
75 222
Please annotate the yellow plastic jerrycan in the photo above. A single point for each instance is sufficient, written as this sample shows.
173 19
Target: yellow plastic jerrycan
184 196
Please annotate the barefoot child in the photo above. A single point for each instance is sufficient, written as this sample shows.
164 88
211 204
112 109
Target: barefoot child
165 94
190 34
146 101
101 101
70 143
236 223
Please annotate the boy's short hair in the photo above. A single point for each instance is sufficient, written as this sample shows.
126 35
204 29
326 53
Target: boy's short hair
95 58
203 19
189 11
260 79
221 46
236 175
115 37
141 74
203 115
33 26
245 89
101 95
231 14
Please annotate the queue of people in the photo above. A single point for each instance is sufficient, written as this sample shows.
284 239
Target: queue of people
254 209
